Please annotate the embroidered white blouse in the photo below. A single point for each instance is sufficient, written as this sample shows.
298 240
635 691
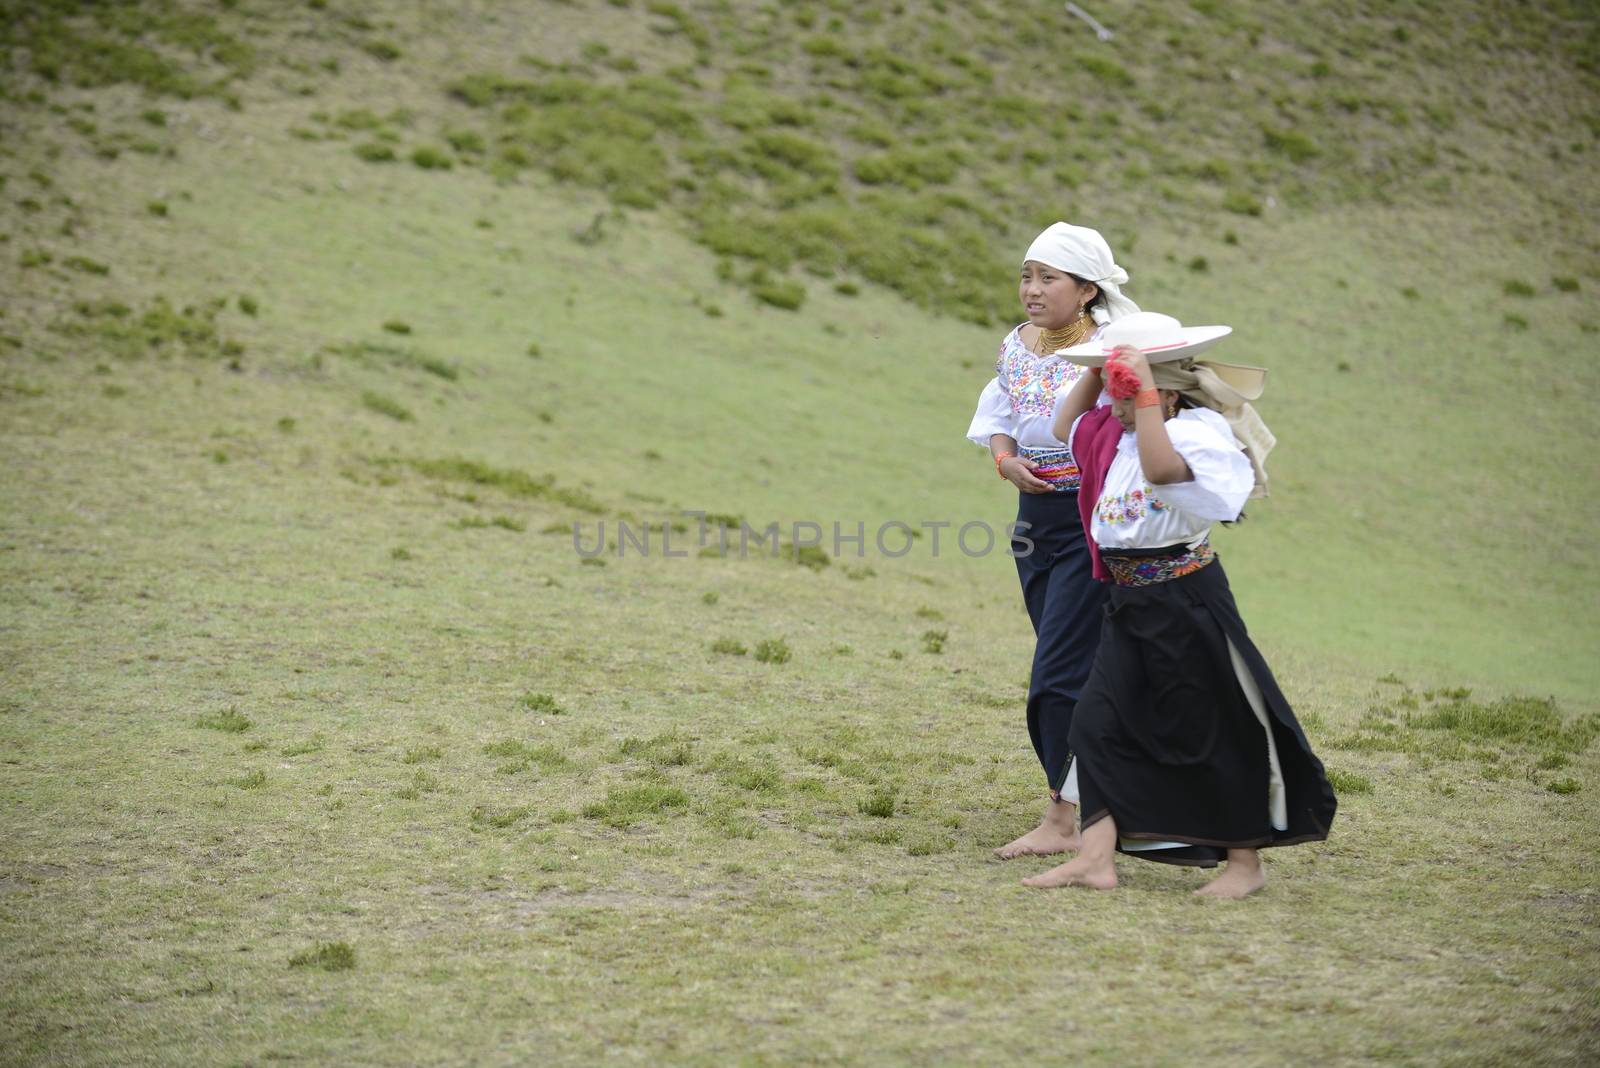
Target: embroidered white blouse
1022 397
1132 514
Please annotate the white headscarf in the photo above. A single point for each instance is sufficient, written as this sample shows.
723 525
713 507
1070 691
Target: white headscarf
1199 384
1080 251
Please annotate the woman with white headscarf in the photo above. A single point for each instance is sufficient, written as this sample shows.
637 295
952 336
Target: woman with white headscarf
1070 286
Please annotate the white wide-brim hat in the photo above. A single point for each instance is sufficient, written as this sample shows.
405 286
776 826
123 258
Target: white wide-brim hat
1159 337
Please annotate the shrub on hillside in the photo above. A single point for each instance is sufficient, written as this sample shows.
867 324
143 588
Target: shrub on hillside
1241 202
160 330
772 651
1292 143
383 405
788 295
431 158
326 956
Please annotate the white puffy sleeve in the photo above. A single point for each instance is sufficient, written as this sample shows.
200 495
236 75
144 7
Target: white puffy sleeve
1222 479
993 415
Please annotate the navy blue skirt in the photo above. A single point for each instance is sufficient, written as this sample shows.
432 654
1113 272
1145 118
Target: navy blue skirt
1064 603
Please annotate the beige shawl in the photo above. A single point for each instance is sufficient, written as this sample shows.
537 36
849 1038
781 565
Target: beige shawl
1229 389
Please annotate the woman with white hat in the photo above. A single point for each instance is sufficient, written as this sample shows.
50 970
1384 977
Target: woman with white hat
1185 750
1069 287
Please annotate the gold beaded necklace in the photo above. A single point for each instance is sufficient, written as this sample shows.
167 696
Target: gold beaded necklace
1065 337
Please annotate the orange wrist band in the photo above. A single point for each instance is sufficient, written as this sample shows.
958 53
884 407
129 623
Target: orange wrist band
998 457
1147 398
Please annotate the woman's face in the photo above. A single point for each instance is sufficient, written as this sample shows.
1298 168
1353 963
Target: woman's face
1051 298
1123 408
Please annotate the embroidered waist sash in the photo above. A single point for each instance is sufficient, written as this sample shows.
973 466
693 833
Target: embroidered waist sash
1164 566
1056 466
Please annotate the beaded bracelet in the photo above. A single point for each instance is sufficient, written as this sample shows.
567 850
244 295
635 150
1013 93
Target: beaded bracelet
1147 398
998 457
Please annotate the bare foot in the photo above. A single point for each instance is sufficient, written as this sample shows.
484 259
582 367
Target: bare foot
1097 873
1236 881
1043 841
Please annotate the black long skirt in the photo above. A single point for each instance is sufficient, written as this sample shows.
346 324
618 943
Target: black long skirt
1166 740
1064 603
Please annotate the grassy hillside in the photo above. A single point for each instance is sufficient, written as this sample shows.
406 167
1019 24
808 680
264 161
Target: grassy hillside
299 653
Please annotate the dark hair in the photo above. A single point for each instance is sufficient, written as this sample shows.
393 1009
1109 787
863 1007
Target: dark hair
1099 300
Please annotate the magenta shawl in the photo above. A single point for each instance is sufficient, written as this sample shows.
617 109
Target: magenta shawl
1094 446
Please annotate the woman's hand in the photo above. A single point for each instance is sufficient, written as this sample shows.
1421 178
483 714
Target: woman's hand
1161 464
1019 472
1134 360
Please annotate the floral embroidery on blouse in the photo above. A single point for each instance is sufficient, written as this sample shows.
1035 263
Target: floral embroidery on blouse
1128 507
1030 380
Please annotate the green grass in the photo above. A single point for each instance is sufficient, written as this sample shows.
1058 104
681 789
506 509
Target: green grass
773 651
663 750
314 744
326 956
880 804
375 152
421 782
624 807
385 405
807 146
86 265
1346 783
540 702
559 823
506 480
229 720
431 157
1535 722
